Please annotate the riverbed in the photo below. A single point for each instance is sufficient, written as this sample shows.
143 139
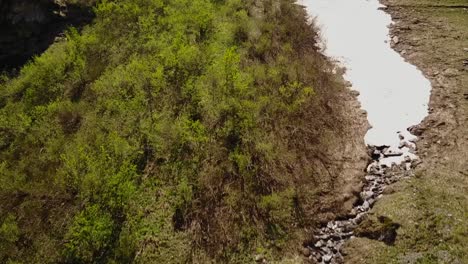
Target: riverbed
394 93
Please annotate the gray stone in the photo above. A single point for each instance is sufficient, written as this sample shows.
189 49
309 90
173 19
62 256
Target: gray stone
366 195
319 244
365 205
327 258
370 177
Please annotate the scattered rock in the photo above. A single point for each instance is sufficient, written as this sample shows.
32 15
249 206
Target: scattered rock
330 238
370 177
365 206
327 258
367 195
319 244
395 40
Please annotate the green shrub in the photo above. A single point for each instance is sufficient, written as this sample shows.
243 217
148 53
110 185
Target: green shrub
90 236
9 231
9 235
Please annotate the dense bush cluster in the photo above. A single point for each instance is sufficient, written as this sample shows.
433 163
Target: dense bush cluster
167 131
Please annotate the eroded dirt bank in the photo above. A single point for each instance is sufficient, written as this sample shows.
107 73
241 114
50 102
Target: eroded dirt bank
430 209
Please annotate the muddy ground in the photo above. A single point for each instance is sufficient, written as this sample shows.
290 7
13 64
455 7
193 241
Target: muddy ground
431 209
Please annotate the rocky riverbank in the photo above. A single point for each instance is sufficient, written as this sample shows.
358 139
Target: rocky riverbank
429 209
325 247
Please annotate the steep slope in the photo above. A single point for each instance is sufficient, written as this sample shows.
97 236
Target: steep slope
177 131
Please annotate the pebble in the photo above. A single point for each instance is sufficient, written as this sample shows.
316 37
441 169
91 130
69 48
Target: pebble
366 195
327 258
365 205
319 244
370 177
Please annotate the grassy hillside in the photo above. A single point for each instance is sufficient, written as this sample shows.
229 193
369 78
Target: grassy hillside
174 131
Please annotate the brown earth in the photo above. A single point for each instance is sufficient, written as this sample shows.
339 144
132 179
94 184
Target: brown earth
431 208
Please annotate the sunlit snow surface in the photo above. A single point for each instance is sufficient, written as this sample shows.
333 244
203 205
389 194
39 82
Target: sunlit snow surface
393 92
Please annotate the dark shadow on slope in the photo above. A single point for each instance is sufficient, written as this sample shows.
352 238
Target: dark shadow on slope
29 27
